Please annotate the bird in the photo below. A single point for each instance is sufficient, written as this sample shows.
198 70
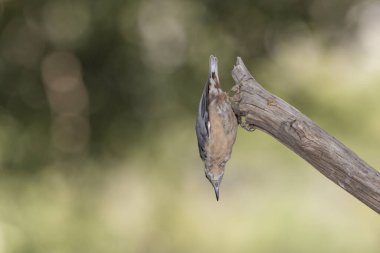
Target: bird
216 127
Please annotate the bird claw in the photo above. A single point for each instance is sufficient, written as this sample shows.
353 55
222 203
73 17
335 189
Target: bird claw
242 121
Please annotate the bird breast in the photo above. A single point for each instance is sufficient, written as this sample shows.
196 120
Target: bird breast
223 127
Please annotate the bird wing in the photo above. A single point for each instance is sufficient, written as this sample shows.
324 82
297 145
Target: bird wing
202 121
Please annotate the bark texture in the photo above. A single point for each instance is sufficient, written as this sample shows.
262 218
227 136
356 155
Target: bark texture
258 108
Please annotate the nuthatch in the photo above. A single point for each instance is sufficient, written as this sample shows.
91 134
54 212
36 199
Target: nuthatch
216 127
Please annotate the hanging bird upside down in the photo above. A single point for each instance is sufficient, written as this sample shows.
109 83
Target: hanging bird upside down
216 127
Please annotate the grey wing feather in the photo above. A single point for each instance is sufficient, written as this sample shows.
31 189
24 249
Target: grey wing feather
201 125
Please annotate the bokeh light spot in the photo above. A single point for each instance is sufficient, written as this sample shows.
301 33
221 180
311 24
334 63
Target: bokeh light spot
66 21
163 36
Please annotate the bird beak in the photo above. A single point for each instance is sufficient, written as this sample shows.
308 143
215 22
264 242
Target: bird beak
213 69
215 184
216 189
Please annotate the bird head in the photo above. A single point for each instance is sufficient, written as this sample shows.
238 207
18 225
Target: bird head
214 174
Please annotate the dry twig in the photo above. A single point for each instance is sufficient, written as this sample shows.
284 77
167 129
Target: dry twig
257 108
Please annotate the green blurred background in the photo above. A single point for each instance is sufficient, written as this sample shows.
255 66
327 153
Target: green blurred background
97 107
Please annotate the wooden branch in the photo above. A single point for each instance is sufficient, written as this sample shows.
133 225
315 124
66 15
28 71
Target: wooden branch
261 109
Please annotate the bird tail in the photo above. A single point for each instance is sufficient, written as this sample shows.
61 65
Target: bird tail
213 70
